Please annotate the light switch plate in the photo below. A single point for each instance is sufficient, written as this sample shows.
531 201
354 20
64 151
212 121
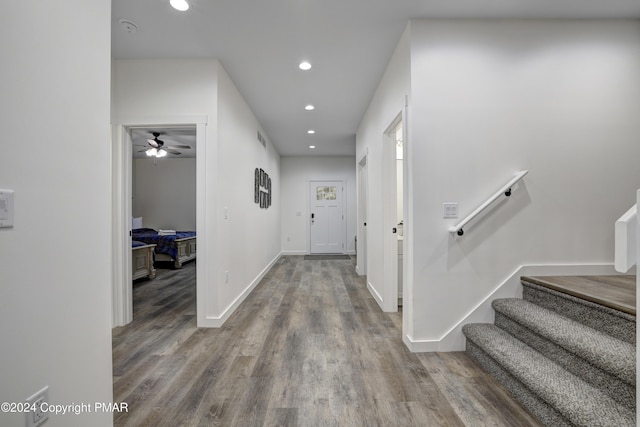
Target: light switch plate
450 210
6 208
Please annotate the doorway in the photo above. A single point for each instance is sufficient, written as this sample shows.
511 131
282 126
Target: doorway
393 192
123 161
326 217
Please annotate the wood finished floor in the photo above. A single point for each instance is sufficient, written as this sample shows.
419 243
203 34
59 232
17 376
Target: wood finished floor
617 292
308 347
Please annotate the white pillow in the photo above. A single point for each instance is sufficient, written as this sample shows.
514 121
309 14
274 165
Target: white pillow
136 223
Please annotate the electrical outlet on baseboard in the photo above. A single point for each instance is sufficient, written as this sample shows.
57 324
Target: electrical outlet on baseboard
37 413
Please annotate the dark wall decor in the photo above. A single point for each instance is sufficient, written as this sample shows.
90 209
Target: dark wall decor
262 188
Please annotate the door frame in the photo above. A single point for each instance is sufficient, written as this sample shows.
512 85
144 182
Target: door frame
363 209
343 232
390 214
122 160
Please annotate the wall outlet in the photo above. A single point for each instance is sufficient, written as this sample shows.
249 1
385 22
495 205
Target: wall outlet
35 416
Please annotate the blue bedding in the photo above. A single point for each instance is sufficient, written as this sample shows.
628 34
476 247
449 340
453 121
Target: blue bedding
164 244
136 244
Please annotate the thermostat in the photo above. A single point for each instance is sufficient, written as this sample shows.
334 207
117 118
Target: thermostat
6 208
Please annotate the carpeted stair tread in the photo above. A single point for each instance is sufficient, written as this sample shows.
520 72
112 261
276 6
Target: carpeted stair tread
577 401
601 350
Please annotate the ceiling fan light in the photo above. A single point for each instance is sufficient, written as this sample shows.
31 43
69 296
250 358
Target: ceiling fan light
161 153
151 152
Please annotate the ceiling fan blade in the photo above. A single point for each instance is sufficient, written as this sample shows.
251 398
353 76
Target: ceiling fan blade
153 143
180 139
177 153
183 147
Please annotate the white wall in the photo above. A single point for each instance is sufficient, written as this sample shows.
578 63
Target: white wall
247 242
387 103
164 193
294 189
488 98
559 98
55 320
248 238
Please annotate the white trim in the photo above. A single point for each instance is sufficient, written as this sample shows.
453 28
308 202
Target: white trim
453 339
294 253
218 321
204 197
121 303
362 210
420 346
375 294
390 215
625 240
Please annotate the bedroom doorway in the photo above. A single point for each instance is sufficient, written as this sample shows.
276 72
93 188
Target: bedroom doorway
156 171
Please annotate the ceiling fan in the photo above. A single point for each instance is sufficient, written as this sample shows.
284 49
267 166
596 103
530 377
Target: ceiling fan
157 148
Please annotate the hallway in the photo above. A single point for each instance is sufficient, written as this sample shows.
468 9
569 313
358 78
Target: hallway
308 347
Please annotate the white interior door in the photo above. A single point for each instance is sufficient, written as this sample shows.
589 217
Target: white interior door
326 217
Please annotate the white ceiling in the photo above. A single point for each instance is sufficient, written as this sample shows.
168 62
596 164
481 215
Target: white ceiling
349 43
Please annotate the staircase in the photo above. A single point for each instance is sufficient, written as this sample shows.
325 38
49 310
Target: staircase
565 351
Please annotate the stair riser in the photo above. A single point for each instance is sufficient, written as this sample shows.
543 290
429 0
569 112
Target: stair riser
613 386
613 322
544 412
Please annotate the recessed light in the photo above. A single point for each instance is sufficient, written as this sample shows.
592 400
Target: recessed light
309 107
180 5
311 131
312 147
305 65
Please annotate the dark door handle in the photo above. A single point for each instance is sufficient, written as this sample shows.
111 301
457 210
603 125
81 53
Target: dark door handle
365 224
313 216
394 230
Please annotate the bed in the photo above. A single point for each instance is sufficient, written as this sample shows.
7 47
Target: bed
142 260
179 247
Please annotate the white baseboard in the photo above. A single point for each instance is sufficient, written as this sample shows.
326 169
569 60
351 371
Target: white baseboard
453 339
218 321
375 294
294 253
